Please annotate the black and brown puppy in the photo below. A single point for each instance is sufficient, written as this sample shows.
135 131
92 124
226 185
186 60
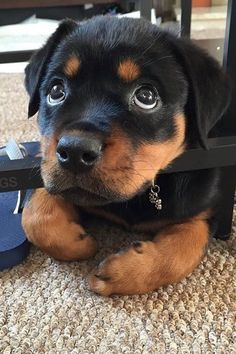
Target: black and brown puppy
118 100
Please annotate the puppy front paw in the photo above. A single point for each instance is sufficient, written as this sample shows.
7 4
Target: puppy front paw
52 224
64 241
127 272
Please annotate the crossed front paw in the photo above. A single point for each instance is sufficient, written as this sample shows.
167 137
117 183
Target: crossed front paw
128 272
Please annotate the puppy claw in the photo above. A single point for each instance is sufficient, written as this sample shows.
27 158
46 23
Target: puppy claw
137 245
99 285
102 277
83 236
100 288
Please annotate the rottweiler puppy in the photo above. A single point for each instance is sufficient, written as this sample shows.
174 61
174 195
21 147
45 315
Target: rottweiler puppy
118 100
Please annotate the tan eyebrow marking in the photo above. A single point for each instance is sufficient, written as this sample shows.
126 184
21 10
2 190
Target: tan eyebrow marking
128 70
72 66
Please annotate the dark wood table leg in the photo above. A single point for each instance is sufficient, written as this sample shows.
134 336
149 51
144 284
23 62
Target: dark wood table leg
225 215
186 12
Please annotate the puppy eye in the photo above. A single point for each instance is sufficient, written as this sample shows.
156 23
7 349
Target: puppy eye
146 97
57 94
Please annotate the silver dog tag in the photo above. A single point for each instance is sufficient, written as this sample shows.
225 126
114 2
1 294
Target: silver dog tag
154 197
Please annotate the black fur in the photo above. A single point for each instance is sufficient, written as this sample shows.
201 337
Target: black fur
187 79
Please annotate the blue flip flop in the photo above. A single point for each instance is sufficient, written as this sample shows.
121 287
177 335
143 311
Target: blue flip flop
14 247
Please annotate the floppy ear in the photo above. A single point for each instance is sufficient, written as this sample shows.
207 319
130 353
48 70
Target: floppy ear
36 69
208 93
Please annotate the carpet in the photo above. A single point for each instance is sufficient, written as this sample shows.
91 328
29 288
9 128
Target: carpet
46 307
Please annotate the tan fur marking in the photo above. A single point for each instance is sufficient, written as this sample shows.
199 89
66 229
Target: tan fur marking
128 70
125 170
49 146
72 66
51 223
171 256
49 164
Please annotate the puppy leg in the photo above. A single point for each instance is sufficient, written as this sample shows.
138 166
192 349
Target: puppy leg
146 266
51 223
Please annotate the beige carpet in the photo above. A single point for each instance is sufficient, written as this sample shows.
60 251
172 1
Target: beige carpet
46 307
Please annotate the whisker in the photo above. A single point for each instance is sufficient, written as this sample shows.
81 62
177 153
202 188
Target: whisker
35 171
147 49
154 60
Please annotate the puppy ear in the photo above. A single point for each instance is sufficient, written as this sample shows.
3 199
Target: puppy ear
208 93
36 69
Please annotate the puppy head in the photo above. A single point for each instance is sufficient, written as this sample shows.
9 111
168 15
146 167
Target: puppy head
118 100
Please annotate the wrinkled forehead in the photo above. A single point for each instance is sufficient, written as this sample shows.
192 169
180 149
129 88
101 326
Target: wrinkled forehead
124 55
125 67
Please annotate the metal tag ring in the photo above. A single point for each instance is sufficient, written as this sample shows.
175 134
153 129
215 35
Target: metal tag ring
155 189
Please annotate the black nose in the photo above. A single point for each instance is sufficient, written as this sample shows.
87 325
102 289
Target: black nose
78 154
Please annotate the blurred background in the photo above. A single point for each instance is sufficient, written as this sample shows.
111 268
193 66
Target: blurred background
26 24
